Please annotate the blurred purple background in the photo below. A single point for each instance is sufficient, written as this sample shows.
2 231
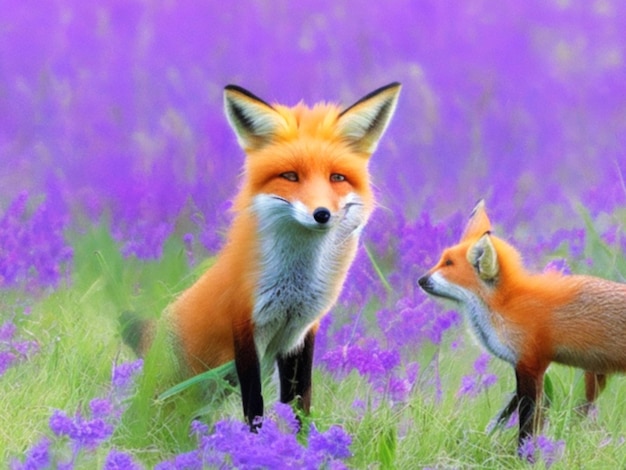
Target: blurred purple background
114 109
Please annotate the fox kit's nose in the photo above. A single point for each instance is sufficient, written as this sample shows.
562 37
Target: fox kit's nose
321 215
423 282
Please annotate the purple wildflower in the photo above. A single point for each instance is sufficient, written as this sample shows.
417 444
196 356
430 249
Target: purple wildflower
481 364
33 247
334 443
286 419
542 448
365 355
145 239
25 348
414 320
11 350
574 239
468 386
61 424
472 385
559 265
123 375
231 444
120 461
92 432
87 433
7 359
198 428
37 457
185 461
101 407
7 332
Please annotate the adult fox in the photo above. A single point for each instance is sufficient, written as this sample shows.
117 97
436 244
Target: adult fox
531 320
304 200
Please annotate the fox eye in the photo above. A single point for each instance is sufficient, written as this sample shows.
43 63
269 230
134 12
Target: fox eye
337 178
290 176
448 262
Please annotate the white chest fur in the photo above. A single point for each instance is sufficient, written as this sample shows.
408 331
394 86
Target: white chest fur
481 320
301 262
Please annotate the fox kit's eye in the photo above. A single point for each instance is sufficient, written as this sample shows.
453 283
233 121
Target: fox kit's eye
448 262
290 176
337 178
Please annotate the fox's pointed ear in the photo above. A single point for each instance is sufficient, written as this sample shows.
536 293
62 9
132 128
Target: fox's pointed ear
253 120
364 123
478 222
484 258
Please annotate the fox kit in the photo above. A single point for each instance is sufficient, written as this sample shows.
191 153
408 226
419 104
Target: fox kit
304 200
531 320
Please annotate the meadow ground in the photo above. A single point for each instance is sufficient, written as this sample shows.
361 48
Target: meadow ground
118 168
424 400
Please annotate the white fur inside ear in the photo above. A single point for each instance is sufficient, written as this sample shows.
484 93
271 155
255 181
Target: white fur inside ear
356 125
483 256
364 123
254 121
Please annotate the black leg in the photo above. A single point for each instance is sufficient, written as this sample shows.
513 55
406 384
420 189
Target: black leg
529 386
249 375
295 371
507 411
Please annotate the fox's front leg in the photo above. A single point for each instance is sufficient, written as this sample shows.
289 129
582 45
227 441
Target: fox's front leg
249 375
507 411
529 392
295 370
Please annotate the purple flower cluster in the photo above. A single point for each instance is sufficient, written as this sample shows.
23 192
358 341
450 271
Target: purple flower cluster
415 320
33 251
542 449
13 350
386 354
117 460
113 112
381 366
83 432
73 435
123 379
387 357
481 380
232 445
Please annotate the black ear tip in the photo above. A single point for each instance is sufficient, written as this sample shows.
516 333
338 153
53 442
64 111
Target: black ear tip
246 93
480 204
390 86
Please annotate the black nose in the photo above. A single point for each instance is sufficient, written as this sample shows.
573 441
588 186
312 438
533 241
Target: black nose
423 282
321 215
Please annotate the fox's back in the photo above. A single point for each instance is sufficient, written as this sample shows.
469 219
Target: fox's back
590 330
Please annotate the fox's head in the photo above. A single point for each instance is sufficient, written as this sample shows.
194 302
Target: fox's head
308 166
472 268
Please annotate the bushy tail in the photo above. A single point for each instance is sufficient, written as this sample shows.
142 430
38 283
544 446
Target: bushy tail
137 332
156 342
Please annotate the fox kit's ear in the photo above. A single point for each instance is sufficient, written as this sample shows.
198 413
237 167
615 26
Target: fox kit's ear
478 222
482 255
364 123
253 120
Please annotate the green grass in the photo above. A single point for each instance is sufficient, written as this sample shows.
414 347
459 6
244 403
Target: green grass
77 330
